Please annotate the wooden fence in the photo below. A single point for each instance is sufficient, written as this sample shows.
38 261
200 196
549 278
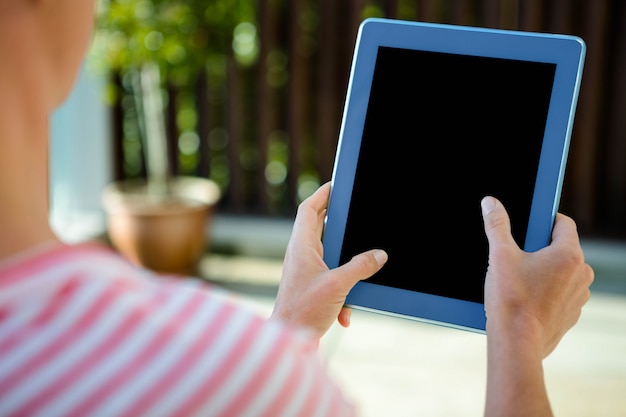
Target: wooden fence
268 131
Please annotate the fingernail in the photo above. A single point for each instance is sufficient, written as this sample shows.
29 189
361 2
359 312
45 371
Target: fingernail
487 204
380 256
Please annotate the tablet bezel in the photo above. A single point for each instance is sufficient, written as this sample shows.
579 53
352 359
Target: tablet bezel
567 52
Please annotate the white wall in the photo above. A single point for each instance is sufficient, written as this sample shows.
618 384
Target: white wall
80 161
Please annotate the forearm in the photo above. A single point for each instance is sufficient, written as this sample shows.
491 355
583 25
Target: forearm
515 379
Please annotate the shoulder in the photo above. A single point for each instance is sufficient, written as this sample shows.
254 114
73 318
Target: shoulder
95 329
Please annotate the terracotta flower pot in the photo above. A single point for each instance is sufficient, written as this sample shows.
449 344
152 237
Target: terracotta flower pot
165 234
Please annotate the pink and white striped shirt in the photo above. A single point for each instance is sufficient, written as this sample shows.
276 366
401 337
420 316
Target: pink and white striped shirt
84 333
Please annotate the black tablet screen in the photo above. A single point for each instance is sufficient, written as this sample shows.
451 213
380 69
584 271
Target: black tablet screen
442 131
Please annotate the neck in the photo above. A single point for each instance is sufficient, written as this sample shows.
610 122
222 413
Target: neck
27 99
23 173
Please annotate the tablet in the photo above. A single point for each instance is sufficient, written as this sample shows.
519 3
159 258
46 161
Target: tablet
436 117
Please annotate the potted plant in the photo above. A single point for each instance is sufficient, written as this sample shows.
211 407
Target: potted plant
160 221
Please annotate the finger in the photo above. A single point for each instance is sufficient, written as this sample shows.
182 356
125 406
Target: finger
344 316
360 267
589 276
496 221
310 214
319 199
564 229
322 197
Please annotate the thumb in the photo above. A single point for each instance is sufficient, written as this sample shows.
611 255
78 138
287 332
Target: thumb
360 267
496 221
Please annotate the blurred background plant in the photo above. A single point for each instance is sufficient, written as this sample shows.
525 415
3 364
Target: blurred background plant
157 52
254 91
233 106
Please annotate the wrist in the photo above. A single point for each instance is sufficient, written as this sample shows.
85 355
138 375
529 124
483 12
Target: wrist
515 381
519 329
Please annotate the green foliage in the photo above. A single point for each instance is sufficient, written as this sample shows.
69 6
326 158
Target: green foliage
179 35
184 38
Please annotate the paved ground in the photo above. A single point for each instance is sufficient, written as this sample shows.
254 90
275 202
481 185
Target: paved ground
396 367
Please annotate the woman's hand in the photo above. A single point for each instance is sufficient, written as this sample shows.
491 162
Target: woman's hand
531 301
310 294
542 291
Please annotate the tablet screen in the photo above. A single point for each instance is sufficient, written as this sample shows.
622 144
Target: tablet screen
435 132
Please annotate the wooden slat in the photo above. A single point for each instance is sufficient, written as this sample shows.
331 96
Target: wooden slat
490 13
390 8
236 189
203 127
171 130
328 93
462 12
509 14
117 120
561 16
531 15
614 200
581 174
265 107
427 10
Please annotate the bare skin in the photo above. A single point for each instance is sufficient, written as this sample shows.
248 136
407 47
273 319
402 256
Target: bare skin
44 41
531 301
310 294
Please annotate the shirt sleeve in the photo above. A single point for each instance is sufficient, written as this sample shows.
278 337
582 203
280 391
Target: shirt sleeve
150 347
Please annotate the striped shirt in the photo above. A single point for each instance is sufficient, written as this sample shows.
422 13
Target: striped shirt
84 333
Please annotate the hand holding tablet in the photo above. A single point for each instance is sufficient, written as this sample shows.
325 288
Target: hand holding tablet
436 118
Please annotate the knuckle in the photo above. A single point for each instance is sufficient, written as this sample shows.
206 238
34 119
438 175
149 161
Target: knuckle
494 221
302 206
365 262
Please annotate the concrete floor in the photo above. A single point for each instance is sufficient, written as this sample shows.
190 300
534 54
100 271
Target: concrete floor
397 367
391 366
418 369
